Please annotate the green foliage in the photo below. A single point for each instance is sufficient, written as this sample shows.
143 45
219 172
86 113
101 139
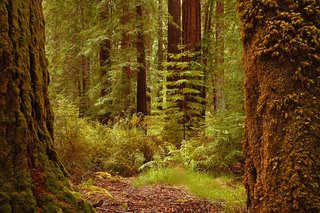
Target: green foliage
87 145
216 152
230 194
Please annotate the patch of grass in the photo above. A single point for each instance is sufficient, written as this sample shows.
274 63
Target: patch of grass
222 189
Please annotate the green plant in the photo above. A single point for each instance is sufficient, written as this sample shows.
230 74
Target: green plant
225 190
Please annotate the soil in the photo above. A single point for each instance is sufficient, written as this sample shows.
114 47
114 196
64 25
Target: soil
145 199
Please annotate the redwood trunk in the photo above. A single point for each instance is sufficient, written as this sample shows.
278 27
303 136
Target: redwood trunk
127 72
142 77
174 31
32 178
282 90
191 25
84 86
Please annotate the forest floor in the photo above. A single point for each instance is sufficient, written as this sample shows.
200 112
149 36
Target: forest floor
119 195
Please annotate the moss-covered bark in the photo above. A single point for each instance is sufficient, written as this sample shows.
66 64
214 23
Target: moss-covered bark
282 67
32 178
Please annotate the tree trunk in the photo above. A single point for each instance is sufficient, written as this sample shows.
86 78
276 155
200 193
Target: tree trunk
105 64
142 77
84 86
191 25
191 38
127 72
206 53
160 36
174 31
219 98
32 178
282 89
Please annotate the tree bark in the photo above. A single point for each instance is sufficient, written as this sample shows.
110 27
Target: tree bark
105 64
127 72
191 38
282 90
142 76
32 178
84 86
174 25
191 25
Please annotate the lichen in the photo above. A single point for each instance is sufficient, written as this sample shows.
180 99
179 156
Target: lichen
282 50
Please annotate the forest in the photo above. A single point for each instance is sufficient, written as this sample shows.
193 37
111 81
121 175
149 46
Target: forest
159 106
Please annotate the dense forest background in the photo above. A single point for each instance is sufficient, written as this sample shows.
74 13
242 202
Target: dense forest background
149 106
131 85
139 86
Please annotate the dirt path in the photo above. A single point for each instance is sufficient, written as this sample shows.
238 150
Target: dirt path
147 199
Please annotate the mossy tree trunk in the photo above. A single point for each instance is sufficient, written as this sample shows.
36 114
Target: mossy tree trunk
32 178
282 88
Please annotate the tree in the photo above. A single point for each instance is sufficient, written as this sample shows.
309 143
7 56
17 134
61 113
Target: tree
219 99
141 58
281 146
32 178
192 75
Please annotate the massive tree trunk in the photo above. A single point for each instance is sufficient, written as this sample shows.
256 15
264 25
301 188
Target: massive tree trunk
219 98
32 178
282 89
142 74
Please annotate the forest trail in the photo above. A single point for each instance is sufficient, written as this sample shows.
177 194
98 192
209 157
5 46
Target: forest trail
126 198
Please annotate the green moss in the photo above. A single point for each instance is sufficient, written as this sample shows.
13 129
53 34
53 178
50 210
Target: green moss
281 40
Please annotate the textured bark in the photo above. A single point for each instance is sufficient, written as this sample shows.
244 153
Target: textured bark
127 72
191 38
174 31
191 25
219 98
32 178
142 76
282 89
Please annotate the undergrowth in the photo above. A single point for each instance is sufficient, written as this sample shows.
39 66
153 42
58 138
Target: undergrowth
225 189
123 148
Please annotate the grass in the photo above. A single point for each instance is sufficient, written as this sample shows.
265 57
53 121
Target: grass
222 189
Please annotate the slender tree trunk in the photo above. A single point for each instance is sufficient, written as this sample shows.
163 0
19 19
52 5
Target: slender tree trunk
206 53
105 64
127 72
84 86
219 98
142 77
160 54
160 36
172 128
174 31
32 179
282 90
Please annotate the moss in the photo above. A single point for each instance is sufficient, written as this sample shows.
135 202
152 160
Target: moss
282 50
